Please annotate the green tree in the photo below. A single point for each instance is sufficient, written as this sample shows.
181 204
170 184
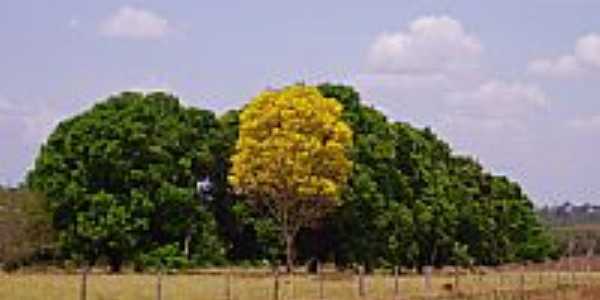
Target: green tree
411 201
122 177
373 223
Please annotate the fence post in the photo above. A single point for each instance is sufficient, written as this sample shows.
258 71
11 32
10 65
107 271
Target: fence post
522 282
361 281
456 278
570 260
396 283
590 257
276 283
228 284
558 283
427 280
84 278
159 284
321 280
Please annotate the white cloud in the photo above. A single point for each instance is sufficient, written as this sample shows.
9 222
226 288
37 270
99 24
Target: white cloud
587 49
499 99
152 83
565 66
585 57
588 124
433 74
134 23
430 45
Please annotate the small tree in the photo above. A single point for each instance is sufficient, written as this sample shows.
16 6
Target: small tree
291 157
25 228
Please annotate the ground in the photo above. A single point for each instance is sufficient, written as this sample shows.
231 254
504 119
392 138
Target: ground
259 285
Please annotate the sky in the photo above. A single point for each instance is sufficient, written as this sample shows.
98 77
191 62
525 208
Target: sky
512 83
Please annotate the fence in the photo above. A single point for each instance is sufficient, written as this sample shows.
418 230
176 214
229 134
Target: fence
552 282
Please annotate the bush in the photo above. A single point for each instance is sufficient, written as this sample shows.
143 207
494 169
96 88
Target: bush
26 234
167 257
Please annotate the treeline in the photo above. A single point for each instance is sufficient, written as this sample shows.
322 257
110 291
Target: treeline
26 233
141 180
568 214
578 240
576 228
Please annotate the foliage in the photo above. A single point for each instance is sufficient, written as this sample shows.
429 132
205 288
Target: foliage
410 201
25 228
578 240
121 183
167 257
291 156
121 177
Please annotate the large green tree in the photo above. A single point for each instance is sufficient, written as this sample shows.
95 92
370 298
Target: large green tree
411 201
122 178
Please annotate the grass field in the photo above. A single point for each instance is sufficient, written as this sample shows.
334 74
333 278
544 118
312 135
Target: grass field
336 286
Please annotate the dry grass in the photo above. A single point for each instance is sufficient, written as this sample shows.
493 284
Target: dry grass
252 286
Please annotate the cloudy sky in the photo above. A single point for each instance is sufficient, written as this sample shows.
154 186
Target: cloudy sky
514 83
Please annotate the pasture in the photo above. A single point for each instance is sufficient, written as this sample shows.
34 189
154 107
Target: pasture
237 284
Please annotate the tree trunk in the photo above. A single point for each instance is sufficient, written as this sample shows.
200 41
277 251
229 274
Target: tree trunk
186 245
289 251
115 262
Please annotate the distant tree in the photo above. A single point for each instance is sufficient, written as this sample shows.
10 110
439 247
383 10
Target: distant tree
291 157
121 178
25 228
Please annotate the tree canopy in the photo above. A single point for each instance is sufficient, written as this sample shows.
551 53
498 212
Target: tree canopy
121 178
420 204
122 183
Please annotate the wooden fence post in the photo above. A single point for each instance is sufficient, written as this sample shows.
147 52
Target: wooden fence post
84 279
570 260
159 284
427 270
361 281
522 283
456 278
558 277
228 284
590 257
276 283
321 280
396 283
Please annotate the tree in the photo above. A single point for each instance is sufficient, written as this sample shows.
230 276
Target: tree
25 228
411 201
291 157
121 178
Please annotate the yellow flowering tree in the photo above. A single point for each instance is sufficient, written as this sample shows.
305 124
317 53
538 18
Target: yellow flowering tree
291 157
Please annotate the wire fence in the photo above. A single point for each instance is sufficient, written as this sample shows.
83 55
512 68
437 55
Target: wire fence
240 284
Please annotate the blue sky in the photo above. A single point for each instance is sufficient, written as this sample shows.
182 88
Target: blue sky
513 83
